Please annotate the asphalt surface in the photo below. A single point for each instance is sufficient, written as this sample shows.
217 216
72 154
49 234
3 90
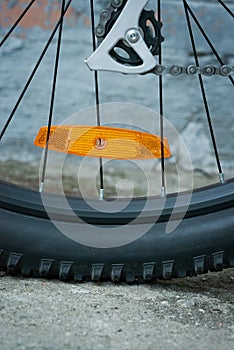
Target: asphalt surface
190 313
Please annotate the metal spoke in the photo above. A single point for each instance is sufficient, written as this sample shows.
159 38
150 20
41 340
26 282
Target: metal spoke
226 8
207 38
221 175
16 22
4 129
52 95
97 100
163 188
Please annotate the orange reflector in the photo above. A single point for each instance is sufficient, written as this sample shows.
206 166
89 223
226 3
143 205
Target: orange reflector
103 142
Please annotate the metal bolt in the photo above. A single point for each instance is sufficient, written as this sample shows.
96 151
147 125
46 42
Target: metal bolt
116 3
209 70
99 31
176 70
225 70
159 70
133 35
191 70
100 143
105 15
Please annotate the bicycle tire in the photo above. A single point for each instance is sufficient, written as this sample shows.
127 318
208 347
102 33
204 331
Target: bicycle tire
32 246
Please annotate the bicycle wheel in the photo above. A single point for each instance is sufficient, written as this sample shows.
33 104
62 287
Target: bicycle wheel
138 239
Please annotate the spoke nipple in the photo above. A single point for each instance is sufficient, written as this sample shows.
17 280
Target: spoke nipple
163 192
41 188
101 194
222 178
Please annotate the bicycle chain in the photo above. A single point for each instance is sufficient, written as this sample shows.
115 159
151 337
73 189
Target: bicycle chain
105 16
175 70
208 70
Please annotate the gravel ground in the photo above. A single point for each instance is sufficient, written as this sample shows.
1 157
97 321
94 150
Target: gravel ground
190 313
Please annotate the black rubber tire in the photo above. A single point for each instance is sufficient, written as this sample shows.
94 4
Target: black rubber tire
31 245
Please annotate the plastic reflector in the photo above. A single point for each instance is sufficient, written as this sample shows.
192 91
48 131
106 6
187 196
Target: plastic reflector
103 142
